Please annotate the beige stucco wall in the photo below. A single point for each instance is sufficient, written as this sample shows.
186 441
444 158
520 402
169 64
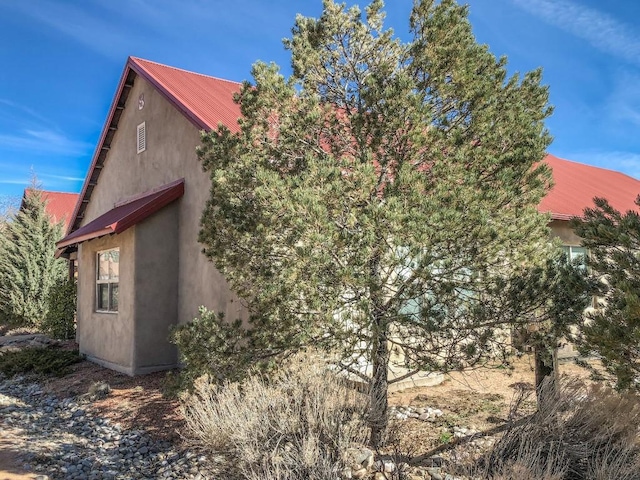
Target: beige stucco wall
107 338
170 155
156 289
560 229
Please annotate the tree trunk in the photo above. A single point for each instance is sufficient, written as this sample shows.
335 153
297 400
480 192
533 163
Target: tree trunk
546 374
378 393
378 390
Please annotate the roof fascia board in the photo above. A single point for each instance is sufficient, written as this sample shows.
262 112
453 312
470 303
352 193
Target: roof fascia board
150 207
562 216
165 195
96 153
83 238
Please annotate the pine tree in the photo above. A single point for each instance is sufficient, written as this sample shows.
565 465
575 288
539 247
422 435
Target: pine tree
613 330
28 267
381 200
552 298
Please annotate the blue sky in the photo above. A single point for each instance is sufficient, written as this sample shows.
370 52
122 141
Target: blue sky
61 61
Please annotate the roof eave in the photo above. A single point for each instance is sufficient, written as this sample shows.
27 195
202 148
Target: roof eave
170 195
166 195
122 84
563 216
83 238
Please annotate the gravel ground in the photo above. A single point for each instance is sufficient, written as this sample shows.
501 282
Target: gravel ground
62 440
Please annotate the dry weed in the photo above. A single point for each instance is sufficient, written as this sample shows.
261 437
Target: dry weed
293 426
580 432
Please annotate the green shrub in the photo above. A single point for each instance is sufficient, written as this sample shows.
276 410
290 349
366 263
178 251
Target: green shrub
28 267
59 321
295 425
41 361
209 345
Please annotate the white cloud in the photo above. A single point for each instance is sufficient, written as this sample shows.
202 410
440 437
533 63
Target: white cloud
101 33
625 162
43 141
64 178
598 28
17 111
15 181
622 106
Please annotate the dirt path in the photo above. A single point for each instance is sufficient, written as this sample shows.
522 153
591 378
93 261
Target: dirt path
10 465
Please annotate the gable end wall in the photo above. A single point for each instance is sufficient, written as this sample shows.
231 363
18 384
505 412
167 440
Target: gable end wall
169 155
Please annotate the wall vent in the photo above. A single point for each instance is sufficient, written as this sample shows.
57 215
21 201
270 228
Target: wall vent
142 137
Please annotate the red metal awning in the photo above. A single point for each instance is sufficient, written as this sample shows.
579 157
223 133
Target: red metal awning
125 215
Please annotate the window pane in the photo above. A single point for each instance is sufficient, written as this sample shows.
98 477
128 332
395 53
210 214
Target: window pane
578 252
103 296
114 297
114 265
103 266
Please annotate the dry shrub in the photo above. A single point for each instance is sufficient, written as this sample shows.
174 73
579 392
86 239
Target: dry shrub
294 425
580 432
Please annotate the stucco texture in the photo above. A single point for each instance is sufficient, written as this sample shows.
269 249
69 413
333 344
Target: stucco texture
165 277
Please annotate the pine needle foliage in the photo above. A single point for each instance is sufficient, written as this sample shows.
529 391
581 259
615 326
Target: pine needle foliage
28 267
613 329
380 200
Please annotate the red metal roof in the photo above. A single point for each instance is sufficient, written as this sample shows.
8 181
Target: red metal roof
576 184
126 215
206 101
59 205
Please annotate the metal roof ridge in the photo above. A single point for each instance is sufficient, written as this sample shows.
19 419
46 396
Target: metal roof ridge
596 167
138 59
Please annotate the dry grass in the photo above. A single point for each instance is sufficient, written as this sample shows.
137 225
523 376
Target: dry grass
294 426
582 432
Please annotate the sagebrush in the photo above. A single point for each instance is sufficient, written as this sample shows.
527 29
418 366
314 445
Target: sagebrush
581 433
295 425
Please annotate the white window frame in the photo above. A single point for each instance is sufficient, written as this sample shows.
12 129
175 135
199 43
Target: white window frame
572 255
109 281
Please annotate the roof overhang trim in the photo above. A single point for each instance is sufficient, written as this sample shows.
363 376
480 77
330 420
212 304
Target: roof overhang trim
125 215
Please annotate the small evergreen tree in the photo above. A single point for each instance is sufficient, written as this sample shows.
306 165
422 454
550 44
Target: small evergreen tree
59 321
552 297
382 200
28 267
613 330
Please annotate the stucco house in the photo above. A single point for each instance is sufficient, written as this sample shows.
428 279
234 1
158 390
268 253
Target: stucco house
575 186
136 222
134 229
